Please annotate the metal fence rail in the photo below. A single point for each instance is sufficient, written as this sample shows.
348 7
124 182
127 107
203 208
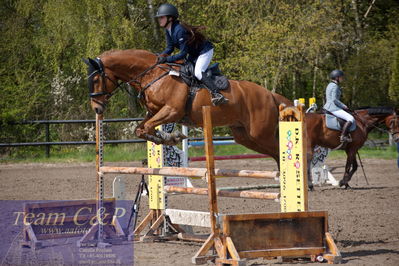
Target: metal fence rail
47 143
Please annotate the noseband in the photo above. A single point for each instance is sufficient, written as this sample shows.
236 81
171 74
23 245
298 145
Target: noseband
394 122
99 70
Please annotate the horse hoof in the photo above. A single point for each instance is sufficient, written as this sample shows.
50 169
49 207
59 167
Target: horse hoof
171 142
344 184
311 188
179 136
139 132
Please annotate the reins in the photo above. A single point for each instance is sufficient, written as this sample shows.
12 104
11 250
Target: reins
135 80
367 124
142 74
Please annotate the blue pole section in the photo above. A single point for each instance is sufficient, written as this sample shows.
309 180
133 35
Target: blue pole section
215 142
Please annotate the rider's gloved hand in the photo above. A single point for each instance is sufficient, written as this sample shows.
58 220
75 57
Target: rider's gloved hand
161 59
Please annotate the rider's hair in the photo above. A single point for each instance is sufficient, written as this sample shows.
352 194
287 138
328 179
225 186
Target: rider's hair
196 36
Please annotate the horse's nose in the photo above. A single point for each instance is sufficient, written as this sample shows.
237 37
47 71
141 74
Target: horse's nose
97 110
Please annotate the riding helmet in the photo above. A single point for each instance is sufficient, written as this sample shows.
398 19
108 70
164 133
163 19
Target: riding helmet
167 10
336 73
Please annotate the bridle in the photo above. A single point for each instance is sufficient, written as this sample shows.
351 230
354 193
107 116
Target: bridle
96 67
393 122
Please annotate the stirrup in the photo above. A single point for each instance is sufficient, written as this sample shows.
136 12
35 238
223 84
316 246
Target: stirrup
218 99
345 138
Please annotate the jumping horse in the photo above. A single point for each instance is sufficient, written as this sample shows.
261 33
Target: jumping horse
251 113
366 120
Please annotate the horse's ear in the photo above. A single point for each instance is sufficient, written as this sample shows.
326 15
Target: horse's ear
94 64
86 61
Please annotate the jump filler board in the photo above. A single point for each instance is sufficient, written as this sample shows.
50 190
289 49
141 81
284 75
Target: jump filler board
157 158
293 194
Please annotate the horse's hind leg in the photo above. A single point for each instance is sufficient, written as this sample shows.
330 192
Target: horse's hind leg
350 169
165 115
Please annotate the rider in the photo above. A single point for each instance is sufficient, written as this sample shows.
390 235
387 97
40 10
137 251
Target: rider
335 106
190 42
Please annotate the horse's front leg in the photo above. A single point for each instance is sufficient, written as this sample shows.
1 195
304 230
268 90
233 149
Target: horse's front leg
163 116
140 126
139 131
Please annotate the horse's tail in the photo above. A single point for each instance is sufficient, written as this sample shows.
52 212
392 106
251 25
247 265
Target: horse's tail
279 99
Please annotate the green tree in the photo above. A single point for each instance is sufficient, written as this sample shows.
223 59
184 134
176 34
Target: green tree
394 82
286 46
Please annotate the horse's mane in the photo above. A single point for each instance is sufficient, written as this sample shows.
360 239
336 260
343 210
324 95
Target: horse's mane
110 52
127 51
379 110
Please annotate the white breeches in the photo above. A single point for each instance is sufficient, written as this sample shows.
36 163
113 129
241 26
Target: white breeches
344 115
202 63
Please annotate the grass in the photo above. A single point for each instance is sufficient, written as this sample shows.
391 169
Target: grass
112 153
137 152
365 152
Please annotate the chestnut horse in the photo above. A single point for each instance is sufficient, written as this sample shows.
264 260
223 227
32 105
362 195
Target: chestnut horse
251 113
366 120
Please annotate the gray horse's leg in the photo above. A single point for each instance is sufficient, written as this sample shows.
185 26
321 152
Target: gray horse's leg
309 171
170 138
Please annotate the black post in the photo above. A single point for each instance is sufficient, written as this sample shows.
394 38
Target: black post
47 140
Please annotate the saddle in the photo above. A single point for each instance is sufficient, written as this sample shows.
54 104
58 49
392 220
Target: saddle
187 74
335 123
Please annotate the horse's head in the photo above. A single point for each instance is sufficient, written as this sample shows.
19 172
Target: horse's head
392 122
102 84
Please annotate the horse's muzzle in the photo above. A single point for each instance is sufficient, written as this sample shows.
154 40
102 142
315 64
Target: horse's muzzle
98 106
98 111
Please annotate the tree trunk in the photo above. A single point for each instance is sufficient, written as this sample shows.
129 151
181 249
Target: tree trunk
277 75
293 85
314 78
132 101
359 37
153 20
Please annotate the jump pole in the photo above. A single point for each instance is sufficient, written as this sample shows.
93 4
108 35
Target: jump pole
97 233
190 172
310 227
243 236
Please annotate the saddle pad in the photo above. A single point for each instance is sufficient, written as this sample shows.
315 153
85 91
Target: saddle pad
332 123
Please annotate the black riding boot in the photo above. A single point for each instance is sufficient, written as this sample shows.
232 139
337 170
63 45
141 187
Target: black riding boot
217 97
344 135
